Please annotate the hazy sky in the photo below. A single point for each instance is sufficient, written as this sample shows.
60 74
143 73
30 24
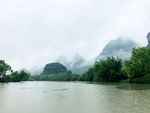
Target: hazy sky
35 32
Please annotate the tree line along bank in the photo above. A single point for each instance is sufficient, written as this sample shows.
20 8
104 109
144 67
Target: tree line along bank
111 69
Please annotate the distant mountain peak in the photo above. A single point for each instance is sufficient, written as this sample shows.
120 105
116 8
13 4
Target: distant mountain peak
118 48
148 38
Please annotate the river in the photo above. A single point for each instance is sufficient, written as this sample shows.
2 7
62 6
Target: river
74 97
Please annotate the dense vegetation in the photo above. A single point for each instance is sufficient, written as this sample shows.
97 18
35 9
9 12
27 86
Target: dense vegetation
54 68
64 76
138 67
4 68
111 69
105 70
135 70
55 72
7 74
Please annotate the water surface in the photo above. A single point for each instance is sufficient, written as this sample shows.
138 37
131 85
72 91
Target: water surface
74 97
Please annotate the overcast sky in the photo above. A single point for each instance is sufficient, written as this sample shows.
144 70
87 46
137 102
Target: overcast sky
36 32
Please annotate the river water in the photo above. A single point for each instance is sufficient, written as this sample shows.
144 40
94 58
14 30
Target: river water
74 97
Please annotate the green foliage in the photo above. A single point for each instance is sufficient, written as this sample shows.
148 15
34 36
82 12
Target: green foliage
35 78
65 76
105 70
108 70
88 76
55 72
139 64
54 68
4 68
15 77
24 76
143 79
18 76
11 76
125 81
135 70
4 79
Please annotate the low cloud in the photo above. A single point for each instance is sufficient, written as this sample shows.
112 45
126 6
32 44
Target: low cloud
35 32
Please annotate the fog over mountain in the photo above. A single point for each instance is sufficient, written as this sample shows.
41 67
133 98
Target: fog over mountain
77 64
36 70
36 32
118 48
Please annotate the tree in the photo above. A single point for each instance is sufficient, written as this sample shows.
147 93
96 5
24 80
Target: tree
64 76
4 68
24 76
18 76
89 75
54 68
14 77
139 64
108 70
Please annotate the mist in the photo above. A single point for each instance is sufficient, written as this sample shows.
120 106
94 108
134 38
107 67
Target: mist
36 32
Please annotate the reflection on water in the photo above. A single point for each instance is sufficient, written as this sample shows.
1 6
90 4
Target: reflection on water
74 97
134 86
63 89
